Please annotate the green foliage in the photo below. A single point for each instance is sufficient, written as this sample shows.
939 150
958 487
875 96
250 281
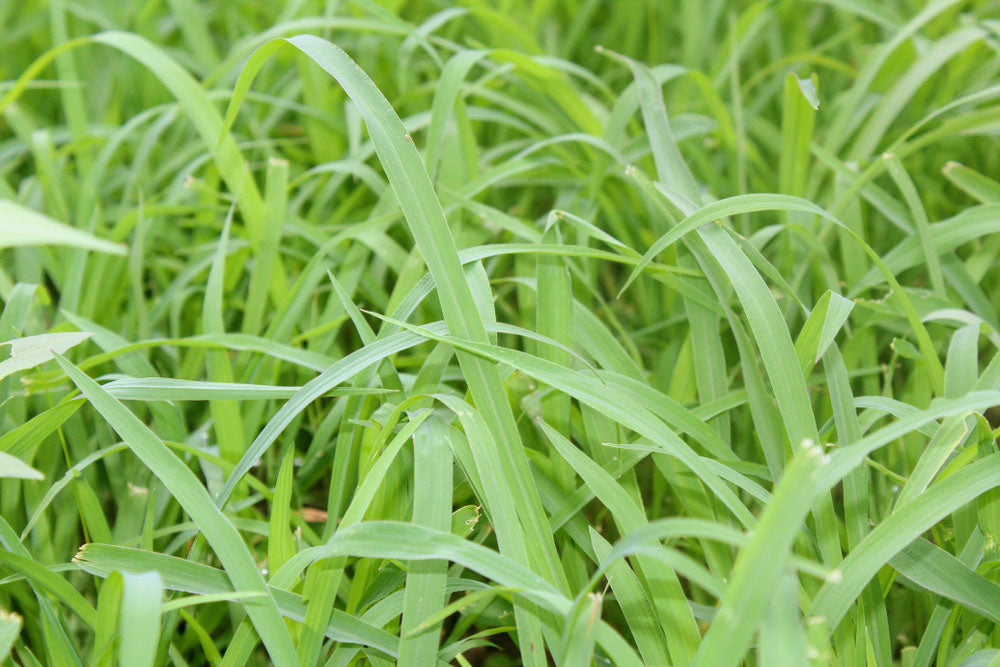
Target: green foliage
568 332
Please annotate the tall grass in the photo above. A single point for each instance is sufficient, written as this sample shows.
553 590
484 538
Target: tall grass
558 332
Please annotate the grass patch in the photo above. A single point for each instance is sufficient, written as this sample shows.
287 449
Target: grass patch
534 333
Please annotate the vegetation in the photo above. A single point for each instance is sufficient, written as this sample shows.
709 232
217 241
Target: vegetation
499 332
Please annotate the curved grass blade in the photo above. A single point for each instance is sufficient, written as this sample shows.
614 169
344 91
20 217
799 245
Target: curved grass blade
12 467
425 218
935 569
32 351
183 575
21 226
49 581
901 528
223 537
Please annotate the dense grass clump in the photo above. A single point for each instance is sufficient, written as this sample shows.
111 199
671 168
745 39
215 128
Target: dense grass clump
499 332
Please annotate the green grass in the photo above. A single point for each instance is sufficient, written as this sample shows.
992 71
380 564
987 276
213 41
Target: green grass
567 332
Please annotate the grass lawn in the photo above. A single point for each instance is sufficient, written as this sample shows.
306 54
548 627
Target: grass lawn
500 332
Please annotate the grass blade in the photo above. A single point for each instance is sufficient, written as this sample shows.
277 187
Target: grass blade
194 498
140 618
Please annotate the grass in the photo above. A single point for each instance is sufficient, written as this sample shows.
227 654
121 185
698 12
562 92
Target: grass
565 332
